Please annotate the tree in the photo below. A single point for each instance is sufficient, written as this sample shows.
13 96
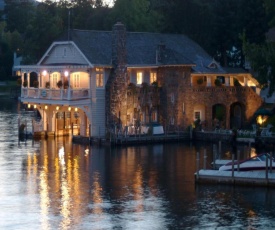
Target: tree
262 61
136 14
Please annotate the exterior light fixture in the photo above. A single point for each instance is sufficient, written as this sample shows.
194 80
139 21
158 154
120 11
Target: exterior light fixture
69 108
44 73
75 109
57 107
34 106
66 73
29 106
46 107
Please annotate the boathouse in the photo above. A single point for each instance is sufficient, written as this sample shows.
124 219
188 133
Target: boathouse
93 83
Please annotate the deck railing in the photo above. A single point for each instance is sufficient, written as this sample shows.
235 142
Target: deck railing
56 94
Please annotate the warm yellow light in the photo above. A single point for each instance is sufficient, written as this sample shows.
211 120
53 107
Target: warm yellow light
29 105
44 73
75 109
46 107
57 107
34 106
69 108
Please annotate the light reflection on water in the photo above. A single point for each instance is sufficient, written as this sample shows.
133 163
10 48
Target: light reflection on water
54 184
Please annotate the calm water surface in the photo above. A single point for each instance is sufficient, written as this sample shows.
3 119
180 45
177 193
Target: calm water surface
54 184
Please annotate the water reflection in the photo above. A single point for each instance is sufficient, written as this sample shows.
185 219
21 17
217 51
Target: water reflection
55 184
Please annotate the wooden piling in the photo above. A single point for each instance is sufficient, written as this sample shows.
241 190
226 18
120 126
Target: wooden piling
198 164
238 160
233 159
204 159
266 168
271 159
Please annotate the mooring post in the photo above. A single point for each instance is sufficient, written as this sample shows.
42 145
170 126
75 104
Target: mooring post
204 159
220 149
249 148
271 159
238 159
233 159
198 164
214 156
266 168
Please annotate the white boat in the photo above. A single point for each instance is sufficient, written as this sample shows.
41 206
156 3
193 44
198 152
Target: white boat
255 163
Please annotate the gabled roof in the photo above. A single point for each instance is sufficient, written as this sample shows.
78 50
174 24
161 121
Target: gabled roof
141 49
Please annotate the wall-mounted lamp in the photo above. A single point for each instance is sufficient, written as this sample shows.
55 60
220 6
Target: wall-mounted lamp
46 107
69 108
66 73
29 106
75 109
44 73
34 106
57 107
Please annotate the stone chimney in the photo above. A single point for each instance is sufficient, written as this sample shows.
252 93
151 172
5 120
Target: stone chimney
119 53
116 87
160 52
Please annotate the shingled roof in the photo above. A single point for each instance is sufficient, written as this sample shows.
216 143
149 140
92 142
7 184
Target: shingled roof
141 49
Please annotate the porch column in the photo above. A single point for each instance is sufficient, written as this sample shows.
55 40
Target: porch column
208 80
191 80
28 79
62 80
69 86
231 81
245 80
227 81
39 79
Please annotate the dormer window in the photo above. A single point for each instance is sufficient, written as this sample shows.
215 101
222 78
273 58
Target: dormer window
213 65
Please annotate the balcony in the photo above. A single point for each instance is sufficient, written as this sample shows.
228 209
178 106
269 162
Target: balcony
55 94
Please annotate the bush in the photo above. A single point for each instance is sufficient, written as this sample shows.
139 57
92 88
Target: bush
217 82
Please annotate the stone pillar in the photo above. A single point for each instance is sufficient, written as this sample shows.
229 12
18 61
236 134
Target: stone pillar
209 81
227 83
28 79
245 80
231 81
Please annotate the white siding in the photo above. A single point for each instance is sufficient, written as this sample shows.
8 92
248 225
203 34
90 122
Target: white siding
65 53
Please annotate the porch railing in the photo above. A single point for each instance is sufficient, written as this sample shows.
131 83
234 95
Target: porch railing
55 94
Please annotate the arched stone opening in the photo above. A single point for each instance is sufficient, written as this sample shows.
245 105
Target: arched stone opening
219 116
236 115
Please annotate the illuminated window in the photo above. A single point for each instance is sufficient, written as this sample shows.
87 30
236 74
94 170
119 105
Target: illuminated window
153 77
197 115
139 78
99 77
54 80
76 81
154 116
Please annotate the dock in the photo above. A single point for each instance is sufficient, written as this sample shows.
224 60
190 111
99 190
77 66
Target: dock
254 178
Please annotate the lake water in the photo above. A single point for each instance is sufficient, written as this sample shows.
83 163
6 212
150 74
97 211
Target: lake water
55 184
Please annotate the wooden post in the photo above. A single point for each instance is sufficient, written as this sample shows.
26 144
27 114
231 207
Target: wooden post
204 160
238 159
198 164
249 148
214 157
233 159
220 149
271 159
266 168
